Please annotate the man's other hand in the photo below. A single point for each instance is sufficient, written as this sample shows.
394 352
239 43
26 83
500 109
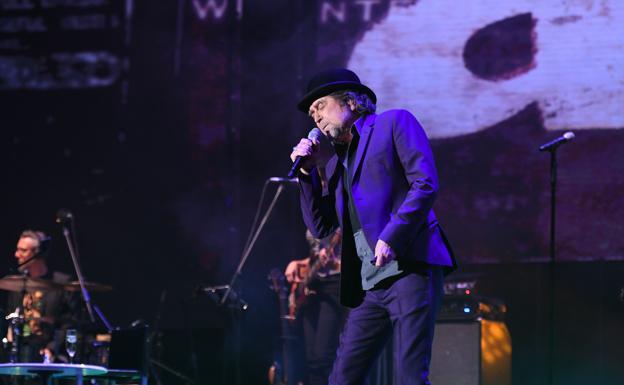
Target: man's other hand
383 253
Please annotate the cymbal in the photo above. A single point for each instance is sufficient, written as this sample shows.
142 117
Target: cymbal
21 283
91 286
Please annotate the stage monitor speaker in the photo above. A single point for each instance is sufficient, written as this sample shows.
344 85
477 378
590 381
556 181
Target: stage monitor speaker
476 352
128 349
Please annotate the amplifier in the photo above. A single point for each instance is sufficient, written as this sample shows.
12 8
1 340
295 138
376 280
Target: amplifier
471 353
469 307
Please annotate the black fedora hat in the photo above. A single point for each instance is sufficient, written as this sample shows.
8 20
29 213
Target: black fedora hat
326 82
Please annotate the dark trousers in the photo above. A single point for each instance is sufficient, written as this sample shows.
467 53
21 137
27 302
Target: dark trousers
323 318
404 307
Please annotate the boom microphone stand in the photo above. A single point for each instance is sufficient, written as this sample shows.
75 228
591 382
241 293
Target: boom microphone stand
65 217
552 147
230 297
253 236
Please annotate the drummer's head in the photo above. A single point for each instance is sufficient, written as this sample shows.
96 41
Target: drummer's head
30 246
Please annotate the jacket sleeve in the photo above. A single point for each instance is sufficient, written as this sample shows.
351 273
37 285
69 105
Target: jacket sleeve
414 152
318 209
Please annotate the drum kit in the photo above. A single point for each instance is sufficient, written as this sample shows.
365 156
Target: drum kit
98 361
19 318
21 283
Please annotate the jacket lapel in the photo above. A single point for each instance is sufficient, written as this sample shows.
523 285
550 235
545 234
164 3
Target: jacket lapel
365 132
330 167
334 171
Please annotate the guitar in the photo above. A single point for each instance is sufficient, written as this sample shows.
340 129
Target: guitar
324 262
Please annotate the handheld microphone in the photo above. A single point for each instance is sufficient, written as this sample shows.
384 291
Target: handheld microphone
313 135
553 144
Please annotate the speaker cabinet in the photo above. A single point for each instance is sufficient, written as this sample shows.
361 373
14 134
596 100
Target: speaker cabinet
475 352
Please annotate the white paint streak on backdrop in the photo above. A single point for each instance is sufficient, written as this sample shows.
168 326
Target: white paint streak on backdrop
413 60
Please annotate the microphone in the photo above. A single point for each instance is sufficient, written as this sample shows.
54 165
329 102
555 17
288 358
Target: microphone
553 144
280 180
313 135
64 215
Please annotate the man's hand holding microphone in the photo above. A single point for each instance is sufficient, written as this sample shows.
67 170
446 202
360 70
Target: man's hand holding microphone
304 154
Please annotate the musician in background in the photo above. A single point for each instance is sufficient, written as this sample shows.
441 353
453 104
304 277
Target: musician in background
47 309
315 301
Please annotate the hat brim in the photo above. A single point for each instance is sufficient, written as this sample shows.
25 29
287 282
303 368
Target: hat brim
326 89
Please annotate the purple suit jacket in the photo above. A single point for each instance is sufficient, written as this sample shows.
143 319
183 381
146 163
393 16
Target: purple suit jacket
394 186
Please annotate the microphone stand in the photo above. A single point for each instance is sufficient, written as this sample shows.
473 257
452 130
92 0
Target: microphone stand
17 322
251 244
236 303
551 264
83 289
551 147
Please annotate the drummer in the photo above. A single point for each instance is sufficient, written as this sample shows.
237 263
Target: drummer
45 309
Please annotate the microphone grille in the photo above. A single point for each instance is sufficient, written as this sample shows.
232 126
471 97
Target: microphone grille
315 134
569 135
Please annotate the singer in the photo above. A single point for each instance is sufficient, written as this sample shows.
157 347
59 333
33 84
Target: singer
381 186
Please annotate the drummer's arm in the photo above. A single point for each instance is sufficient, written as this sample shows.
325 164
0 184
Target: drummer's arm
10 317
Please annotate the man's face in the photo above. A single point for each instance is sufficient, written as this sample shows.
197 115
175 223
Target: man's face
333 117
26 249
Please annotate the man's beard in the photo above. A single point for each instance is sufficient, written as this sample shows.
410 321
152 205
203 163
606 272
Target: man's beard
337 135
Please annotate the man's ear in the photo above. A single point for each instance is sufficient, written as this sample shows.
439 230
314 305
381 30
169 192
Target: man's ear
351 103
